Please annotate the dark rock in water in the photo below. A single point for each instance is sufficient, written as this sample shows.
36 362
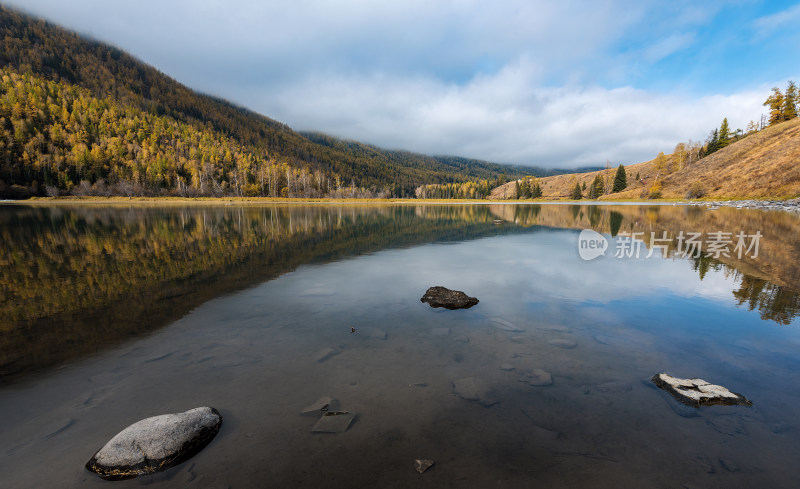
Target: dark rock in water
450 299
698 392
422 465
156 443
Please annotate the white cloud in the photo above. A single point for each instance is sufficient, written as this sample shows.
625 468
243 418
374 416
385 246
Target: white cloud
507 116
769 24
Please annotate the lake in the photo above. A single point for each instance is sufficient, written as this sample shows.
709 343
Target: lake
113 313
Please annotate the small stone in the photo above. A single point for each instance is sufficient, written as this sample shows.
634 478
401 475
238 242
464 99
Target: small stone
450 299
421 465
326 354
474 389
504 325
506 366
334 422
563 343
698 392
462 339
156 443
537 377
321 406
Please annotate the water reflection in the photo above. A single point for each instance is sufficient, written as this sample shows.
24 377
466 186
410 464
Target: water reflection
769 282
77 279
599 328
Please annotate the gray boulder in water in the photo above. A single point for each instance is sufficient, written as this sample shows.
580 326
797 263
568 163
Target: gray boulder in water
438 296
156 443
698 392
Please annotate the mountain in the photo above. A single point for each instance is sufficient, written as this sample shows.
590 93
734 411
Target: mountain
762 165
77 115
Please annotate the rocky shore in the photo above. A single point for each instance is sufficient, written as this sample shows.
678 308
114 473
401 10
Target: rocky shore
792 205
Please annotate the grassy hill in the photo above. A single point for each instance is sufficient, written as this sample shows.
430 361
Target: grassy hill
764 165
74 110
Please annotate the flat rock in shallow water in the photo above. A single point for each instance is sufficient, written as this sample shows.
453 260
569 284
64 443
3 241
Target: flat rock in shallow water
474 389
326 354
505 325
323 405
156 443
334 422
698 392
537 377
450 299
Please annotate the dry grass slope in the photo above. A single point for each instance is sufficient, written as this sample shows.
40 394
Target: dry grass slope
765 165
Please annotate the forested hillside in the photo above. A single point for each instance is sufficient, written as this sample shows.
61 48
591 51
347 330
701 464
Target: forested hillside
79 116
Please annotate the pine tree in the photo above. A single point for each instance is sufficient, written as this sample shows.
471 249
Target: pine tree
576 192
599 186
536 192
713 142
775 102
790 102
620 180
596 189
724 138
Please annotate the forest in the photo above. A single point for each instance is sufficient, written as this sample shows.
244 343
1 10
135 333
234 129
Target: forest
80 117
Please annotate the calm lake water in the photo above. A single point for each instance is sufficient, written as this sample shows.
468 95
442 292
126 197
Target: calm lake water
110 314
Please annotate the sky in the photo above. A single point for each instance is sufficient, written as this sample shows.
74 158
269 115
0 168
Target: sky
556 84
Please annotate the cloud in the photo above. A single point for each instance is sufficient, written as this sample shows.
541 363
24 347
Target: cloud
769 24
507 116
668 46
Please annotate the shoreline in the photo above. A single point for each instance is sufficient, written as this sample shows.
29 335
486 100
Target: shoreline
792 205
